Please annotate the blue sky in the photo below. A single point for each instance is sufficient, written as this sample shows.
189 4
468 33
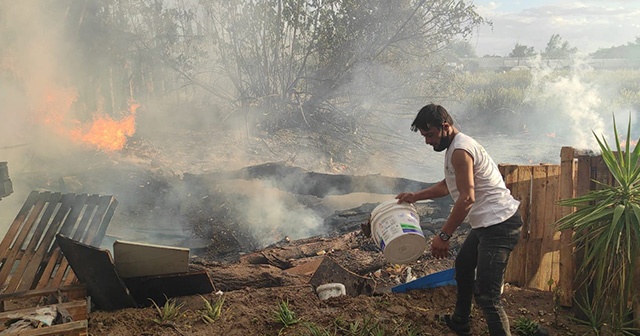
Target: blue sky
587 25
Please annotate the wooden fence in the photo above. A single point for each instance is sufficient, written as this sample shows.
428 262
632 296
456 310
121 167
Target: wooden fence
544 258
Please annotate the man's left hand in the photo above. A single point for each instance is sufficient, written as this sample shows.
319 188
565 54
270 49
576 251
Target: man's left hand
439 248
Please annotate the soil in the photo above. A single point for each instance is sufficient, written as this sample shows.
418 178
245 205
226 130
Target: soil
254 293
253 289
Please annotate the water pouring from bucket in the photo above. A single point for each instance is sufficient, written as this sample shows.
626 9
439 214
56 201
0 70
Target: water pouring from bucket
396 230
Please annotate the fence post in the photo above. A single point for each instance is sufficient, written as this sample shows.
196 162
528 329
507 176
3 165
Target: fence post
567 261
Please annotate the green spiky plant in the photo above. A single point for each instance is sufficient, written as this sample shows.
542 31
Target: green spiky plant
169 312
211 310
607 231
285 315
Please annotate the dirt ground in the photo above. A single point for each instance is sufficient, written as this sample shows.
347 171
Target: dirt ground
252 291
258 289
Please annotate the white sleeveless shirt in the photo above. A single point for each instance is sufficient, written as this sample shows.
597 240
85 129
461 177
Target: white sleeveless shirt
493 201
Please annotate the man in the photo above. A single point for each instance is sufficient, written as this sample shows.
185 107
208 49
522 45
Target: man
478 190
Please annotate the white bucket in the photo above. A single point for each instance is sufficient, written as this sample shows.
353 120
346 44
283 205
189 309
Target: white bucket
396 230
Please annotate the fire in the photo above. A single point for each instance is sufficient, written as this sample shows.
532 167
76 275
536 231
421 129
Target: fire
105 133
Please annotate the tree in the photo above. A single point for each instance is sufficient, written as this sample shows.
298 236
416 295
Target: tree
310 61
630 51
521 51
558 48
463 49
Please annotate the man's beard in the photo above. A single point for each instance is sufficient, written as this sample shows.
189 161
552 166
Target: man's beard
444 143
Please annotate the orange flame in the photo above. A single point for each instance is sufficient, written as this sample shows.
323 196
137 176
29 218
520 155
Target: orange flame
106 133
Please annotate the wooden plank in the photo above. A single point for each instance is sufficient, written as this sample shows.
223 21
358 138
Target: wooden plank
94 267
77 310
75 228
159 288
140 259
15 249
515 267
541 258
93 217
551 238
583 185
16 225
74 292
520 252
95 233
50 252
31 259
66 329
76 204
536 227
566 258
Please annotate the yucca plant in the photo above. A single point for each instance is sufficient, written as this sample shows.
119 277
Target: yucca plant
211 310
607 231
169 312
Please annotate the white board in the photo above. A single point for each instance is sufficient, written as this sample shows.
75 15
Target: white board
140 259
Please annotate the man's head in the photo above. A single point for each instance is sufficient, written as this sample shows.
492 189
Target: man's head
436 126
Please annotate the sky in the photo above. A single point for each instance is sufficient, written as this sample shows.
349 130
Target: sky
587 25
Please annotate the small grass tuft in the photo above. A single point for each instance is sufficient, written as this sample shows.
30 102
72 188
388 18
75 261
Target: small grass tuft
169 312
285 315
525 326
211 310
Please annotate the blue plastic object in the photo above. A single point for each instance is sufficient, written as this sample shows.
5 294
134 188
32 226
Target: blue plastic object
438 279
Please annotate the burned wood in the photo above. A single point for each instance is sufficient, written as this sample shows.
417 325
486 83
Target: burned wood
299 181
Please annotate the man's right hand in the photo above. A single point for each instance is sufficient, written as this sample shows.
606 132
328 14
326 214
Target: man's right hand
406 197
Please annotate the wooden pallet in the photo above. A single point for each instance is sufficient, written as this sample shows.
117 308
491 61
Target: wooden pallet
29 257
77 309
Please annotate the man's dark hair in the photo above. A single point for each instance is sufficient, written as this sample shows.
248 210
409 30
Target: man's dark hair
431 115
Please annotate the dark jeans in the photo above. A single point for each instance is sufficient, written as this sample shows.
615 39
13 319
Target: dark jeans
480 267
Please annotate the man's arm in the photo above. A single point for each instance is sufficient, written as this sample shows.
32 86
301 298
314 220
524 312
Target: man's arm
435 191
463 166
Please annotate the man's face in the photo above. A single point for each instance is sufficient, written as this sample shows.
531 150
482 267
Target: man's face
437 138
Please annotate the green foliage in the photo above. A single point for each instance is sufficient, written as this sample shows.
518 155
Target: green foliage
607 232
522 51
558 48
314 330
169 312
525 326
285 316
211 310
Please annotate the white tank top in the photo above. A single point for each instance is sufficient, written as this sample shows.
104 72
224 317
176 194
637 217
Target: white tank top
493 201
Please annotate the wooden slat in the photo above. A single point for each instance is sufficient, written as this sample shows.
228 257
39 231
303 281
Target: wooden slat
68 209
77 310
15 249
92 233
583 185
66 329
16 224
522 249
515 268
74 292
551 237
102 230
77 206
567 264
536 225
31 258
